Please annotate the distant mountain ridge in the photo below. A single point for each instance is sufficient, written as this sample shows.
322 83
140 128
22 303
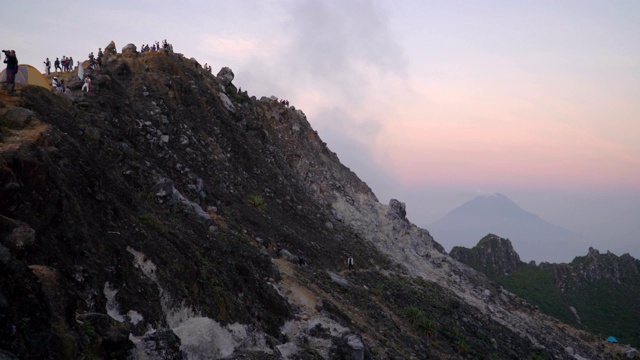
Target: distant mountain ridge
497 214
598 292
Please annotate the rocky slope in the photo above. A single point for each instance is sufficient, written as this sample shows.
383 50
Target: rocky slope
139 221
597 292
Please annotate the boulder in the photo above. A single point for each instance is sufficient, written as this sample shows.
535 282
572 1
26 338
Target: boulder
110 50
397 210
160 344
129 50
351 347
18 117
18 236
339 280
225 75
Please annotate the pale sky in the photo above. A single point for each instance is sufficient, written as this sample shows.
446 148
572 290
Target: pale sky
429 102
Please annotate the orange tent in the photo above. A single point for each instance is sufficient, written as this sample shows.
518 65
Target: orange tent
28 75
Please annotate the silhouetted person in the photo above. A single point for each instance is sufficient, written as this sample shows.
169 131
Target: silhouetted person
12 67
47 66
350 262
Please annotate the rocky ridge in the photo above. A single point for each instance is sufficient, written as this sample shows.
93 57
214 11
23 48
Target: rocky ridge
139 221
595 292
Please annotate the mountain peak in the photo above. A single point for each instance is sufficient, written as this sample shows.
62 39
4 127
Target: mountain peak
495 201
497 214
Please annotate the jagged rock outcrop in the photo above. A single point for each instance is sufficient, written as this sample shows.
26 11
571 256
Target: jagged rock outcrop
493 256
582 293
225 75
138 220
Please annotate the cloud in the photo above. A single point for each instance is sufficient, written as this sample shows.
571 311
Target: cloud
343 47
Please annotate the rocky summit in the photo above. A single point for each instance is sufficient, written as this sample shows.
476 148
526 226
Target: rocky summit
167 214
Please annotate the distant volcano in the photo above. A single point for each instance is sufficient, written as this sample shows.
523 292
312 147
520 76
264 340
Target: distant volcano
532 237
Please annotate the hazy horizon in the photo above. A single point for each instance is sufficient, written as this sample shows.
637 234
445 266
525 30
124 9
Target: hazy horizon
430 103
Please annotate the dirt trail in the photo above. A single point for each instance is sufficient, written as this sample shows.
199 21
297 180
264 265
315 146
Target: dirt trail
297 294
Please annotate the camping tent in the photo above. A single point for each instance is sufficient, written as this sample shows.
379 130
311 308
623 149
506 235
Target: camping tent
27 74
611 339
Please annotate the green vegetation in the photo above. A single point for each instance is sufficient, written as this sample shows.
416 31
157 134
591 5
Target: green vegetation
538 288
419 321
604 306
238 96
154 222
257 202
144 196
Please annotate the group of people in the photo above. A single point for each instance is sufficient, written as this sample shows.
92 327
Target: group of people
58 84
95 62
155 46
284 102
66 64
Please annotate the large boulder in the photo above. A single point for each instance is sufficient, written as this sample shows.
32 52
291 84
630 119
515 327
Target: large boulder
18 117
160 344
225 75
110 50
129 50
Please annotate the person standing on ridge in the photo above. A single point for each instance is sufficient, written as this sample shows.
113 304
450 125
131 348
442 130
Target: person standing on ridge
56 65
12 67
47 66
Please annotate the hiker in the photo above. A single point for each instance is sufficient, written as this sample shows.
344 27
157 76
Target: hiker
92 61
301 257
56 65
70 63
350 262
87 83
47 66
57 84
12 67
